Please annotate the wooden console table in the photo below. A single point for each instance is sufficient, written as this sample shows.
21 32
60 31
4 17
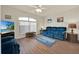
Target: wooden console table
72 37
30 34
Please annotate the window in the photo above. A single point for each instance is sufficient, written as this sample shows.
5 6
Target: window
31 19
24 27
32 26
27 25
23 18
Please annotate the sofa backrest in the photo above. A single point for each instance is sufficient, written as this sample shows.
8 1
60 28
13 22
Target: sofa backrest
56 28
7 37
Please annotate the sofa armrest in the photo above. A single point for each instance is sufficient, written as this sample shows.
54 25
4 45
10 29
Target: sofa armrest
16 49
9 42
10 48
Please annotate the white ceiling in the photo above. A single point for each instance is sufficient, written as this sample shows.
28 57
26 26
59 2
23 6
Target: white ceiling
48 11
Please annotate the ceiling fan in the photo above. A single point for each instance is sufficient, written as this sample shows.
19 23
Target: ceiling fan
38 8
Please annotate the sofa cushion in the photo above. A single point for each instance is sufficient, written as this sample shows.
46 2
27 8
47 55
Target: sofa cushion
55 32
8 38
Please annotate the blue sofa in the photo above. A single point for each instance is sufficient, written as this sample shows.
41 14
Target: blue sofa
9 44
55 32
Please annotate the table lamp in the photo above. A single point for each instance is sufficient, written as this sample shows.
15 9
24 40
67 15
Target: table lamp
72 26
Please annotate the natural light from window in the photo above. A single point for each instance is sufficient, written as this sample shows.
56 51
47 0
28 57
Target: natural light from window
27 24
23 18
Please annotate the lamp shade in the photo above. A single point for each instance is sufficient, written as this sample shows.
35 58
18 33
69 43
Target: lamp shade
72 25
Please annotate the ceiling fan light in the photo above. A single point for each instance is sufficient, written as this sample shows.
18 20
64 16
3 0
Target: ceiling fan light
38 10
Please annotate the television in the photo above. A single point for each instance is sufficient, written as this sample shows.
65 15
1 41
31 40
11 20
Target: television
6 26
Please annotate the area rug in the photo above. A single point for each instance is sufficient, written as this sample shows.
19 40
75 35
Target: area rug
46 40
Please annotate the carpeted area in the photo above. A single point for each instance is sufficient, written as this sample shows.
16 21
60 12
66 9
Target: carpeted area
46 40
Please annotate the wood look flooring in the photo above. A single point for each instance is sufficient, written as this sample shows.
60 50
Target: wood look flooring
32 46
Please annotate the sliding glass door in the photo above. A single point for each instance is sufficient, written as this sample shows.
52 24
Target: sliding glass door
27 25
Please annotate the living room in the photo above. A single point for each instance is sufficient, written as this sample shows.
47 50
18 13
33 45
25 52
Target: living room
64 17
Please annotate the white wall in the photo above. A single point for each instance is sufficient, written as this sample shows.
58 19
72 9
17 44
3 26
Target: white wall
69 16
15 13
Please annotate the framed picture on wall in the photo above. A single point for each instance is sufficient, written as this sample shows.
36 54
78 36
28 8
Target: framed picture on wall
60 19
49 20
7 16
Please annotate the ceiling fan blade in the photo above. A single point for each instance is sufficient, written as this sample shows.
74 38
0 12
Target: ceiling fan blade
37 6
42 8
34 6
